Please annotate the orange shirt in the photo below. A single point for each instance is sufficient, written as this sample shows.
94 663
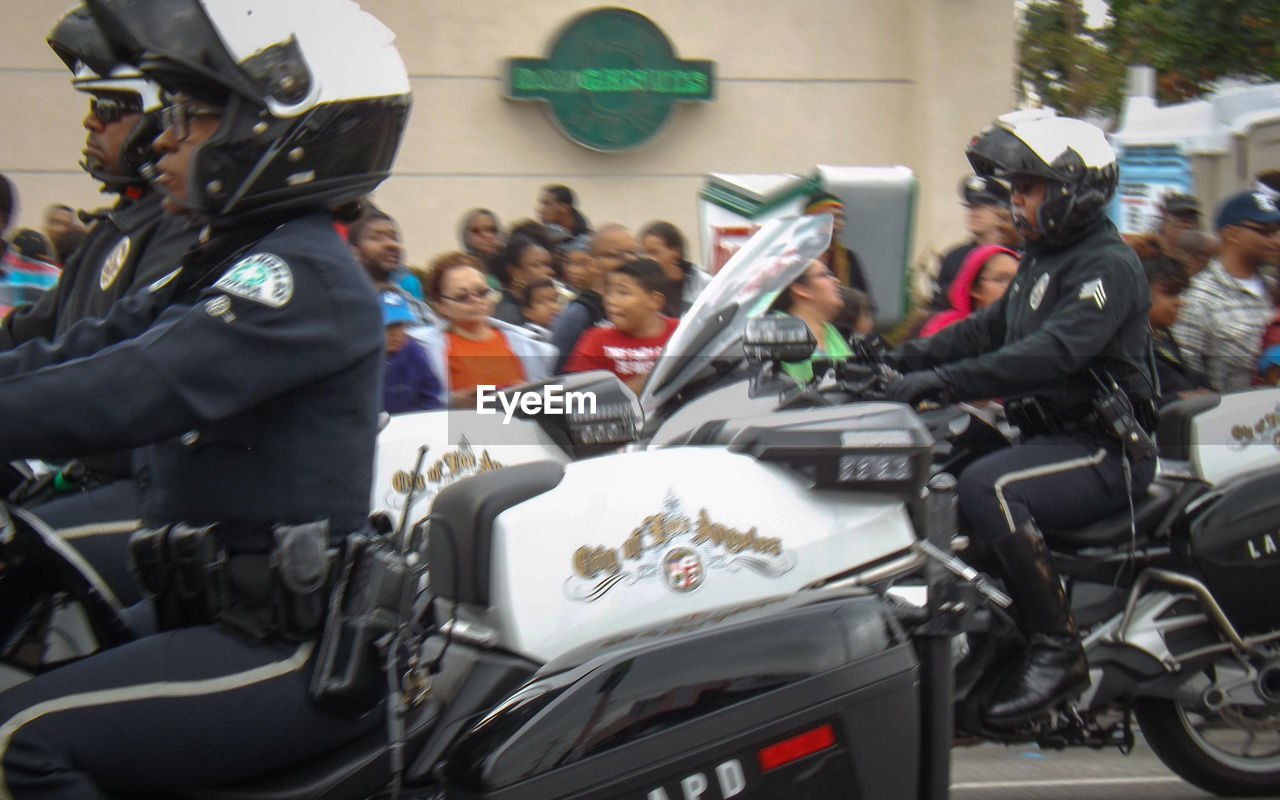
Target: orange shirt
485 363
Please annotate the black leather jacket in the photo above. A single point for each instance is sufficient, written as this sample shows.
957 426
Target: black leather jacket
1071 308
127 248
255 389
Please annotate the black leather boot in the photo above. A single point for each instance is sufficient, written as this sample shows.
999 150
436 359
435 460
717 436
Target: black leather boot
1054 667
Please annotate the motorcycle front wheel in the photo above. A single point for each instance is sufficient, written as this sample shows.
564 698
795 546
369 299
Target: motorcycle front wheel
1235 751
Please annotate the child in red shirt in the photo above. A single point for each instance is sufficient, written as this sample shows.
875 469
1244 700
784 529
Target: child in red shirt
627 344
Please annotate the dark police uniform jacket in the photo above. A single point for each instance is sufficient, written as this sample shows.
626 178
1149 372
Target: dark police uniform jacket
254 384
128 247
1071 308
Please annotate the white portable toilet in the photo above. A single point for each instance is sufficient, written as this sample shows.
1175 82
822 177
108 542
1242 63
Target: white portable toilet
879 209
1209 148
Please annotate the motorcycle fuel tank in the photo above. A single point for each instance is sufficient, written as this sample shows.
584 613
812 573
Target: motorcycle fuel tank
791 697
638 538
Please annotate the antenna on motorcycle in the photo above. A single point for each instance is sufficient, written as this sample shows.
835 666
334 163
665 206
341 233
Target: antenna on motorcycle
414 477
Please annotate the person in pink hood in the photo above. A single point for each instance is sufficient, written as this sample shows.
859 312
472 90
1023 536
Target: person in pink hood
983 277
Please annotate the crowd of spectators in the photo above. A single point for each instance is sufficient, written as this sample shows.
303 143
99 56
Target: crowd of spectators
550 295
555 294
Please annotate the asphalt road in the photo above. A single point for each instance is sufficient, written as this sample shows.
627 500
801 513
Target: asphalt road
995 772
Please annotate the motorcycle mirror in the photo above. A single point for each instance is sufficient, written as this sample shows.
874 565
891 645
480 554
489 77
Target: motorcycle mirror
777 338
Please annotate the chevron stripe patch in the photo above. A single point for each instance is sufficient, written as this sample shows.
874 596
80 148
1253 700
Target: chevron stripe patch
1093 291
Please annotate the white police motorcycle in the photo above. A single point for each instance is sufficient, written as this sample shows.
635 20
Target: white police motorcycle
712 621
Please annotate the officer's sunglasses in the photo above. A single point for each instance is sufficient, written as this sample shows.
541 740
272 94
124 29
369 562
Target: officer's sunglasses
176 118
110 109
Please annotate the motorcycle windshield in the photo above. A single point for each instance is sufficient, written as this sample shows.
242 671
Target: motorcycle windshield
712 329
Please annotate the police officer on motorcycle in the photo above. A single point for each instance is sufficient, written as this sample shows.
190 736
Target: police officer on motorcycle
1066 349
252 378
128 247
133 243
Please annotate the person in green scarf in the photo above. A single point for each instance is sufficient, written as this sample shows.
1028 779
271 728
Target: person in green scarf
815 298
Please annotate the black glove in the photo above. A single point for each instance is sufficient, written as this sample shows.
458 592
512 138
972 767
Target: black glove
925 384
868 348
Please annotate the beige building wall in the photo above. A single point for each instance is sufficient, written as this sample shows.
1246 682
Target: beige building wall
841 82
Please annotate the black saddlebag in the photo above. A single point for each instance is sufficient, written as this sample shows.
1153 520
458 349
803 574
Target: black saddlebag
779 698
1233 537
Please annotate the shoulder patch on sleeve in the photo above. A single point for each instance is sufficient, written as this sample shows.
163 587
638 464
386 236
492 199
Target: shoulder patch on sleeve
260 277
1094 291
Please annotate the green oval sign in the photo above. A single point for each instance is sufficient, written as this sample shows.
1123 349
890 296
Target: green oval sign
611 80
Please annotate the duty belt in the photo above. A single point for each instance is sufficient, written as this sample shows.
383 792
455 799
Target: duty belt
194 577
1032 419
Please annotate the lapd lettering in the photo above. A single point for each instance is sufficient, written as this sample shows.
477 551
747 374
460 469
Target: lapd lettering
694 786
732 780
729 777
1265 546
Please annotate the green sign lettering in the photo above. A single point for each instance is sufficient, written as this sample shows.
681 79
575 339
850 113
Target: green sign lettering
611 81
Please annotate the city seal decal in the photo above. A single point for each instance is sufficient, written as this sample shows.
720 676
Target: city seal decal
112 263
680 551
682 569
261 277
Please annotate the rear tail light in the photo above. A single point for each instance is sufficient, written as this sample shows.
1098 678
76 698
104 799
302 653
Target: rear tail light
797 747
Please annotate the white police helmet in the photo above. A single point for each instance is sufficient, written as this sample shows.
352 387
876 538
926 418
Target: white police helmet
1070 155
315 96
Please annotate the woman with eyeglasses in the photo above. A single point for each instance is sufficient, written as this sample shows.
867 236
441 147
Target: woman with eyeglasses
984 275
473 349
